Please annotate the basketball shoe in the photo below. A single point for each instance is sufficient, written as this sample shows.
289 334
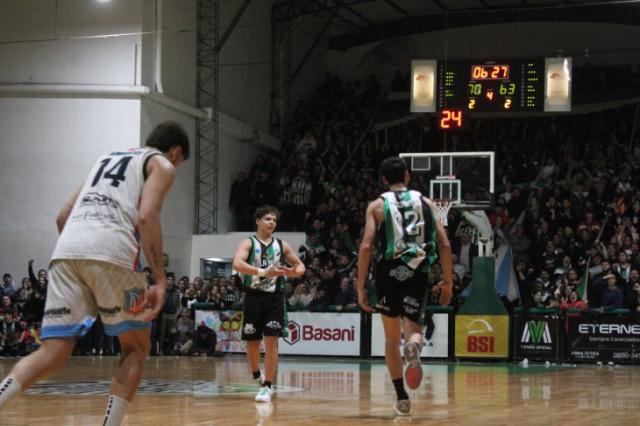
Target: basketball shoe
264 394
403 407
413 371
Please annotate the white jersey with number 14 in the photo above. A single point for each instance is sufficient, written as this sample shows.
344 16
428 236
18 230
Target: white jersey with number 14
103 222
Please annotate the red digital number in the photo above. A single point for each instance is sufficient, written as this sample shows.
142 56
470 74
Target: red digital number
451 119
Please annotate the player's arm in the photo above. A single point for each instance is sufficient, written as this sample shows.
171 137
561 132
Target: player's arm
62 217
296 268
240 263
364 255
444 253
161 174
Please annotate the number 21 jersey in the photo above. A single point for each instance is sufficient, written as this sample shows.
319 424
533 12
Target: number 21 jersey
103 222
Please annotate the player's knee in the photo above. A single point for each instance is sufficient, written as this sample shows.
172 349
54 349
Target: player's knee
271 342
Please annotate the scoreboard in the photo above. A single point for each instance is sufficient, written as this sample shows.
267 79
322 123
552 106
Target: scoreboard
491 85
495 86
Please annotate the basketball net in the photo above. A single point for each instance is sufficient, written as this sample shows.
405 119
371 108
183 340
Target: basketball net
442 209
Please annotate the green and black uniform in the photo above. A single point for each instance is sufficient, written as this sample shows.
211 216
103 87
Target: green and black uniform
264 306
407 249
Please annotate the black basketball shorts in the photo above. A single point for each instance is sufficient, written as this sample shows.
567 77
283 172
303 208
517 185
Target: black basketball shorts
401 291
264 315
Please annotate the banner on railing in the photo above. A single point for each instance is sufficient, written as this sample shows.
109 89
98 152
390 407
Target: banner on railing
314 333
436 347
482 336
226 324
536 337
604 339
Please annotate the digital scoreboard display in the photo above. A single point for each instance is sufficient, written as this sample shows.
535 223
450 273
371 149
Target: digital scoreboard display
487 86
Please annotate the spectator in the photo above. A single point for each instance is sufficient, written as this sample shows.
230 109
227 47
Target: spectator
184 334
205 341
612 296
240 202
9 334
346 298
573 302
8 286
168 317
301 296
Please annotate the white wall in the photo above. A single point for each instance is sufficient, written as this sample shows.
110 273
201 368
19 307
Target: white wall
224 246
47 147
535 39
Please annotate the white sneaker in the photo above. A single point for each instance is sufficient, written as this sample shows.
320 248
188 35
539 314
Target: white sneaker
403 407
264 394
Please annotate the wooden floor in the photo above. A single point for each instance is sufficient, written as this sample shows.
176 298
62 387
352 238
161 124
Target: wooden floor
217 391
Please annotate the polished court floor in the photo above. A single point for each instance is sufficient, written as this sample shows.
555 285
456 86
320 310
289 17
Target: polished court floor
321 391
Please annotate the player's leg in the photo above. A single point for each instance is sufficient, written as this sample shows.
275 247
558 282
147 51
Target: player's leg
413 304
69 313
274 323
135 345
119 293
252 334
49 358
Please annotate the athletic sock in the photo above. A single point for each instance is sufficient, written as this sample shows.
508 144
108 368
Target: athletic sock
9 388
267 384
116 409
400 392
256 374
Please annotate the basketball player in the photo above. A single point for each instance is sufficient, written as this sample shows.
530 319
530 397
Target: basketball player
408 234
93 266
261 259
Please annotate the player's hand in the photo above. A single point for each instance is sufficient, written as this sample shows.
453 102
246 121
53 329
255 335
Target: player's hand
363 300
154 300
274 270
446 290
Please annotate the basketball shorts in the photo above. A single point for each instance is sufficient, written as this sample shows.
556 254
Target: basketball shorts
264 315
401 291
80 290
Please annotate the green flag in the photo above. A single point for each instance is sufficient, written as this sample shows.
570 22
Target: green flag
584 281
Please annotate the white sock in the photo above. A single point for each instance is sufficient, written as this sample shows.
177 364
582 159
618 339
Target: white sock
9 388
116 409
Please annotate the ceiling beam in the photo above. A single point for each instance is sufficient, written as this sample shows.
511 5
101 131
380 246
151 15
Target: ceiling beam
396 7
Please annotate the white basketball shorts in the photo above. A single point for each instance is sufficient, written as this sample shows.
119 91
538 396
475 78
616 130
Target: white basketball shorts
80 289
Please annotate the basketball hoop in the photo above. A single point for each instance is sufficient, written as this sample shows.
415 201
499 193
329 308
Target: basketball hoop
442 209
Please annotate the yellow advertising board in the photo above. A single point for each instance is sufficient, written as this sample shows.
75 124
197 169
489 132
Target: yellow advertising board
482 336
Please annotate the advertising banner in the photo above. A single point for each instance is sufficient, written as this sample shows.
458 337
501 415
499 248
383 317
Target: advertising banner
536 337
226 324
313 333
615 339
482 336
436 347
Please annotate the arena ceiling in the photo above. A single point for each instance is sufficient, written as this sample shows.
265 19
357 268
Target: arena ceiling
356 22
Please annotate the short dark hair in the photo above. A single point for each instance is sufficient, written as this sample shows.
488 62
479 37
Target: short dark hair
168 134
265 210
393 170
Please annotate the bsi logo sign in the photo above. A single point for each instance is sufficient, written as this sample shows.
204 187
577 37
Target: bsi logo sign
536 332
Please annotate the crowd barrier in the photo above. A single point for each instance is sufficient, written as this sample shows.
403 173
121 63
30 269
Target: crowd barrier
535 334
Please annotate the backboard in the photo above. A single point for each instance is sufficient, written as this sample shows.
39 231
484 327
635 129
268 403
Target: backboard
467 178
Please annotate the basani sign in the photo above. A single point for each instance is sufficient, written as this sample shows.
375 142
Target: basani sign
311 333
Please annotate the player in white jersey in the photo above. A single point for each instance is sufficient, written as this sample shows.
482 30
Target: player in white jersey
408 235
93 268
